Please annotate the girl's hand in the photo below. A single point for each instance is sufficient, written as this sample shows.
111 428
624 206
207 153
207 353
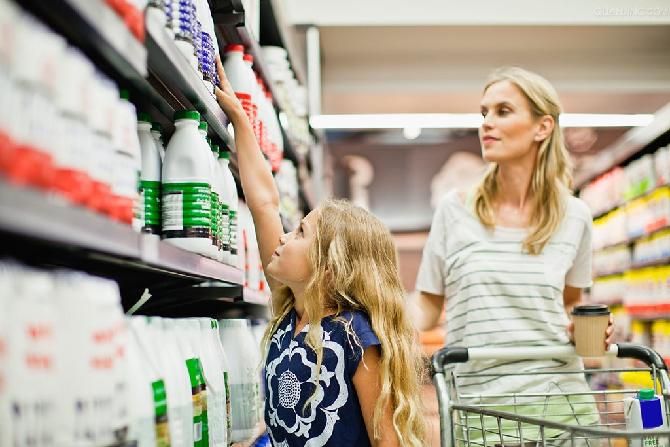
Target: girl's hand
608 332
226 97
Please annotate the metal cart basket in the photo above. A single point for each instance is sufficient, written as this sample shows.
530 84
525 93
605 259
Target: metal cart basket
596 417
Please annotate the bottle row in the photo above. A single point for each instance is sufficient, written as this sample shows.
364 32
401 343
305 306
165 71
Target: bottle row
635 288
647 250
622 184
639 217
74 371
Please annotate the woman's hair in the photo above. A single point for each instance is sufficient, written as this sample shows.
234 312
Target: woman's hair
552 176
355 268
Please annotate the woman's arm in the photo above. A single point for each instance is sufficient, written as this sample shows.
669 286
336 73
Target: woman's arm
367 382
260 191
426 310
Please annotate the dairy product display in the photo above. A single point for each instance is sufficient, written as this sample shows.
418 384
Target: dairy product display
186 187
148 210
238 342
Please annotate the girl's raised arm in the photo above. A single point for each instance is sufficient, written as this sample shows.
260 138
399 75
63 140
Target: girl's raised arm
260 191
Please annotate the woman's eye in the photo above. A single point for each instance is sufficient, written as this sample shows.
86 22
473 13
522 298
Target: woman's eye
484 113
504 112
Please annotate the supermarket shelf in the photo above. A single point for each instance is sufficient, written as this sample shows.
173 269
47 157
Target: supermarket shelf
255 297
94 26
621 205
628 145
37 216
274 31
636 266
33 214
162 254
634 239
184 84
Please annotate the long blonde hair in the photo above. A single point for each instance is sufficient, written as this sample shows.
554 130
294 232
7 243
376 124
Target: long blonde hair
552 177
355 268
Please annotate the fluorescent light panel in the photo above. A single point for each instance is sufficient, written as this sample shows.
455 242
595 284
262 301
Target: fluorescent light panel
464 120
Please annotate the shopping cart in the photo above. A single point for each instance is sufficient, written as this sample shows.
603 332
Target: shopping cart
538 419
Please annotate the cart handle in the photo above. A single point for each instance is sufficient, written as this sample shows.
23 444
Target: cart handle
449 355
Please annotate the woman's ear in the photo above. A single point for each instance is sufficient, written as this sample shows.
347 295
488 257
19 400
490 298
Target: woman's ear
545 128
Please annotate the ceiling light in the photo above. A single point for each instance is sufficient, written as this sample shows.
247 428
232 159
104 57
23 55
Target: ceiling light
411 133
464 120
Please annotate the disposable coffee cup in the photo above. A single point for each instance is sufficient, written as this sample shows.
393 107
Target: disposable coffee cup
591 323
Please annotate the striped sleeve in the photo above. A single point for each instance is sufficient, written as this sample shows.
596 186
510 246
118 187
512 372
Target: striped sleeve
430 278
579 274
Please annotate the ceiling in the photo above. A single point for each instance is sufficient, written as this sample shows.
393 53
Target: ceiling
432 56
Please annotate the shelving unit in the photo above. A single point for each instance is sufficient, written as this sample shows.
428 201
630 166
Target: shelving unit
634 141
182 83
36 216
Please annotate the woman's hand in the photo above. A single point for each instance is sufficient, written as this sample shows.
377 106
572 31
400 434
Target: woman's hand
608 332
226 97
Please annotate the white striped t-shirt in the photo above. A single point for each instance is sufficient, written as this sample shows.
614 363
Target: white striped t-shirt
499 296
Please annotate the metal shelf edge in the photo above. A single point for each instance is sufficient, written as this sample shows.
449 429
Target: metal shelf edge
33 214
630 143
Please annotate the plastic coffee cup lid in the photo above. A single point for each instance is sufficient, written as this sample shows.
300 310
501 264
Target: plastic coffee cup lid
591 310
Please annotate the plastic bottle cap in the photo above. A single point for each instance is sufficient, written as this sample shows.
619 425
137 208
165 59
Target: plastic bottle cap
225 155
157 127
125 94
646 394
215 148
234 48
187 115
144 117
203 126
249 58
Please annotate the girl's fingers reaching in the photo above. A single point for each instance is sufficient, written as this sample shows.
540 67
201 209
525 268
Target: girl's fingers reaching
225 83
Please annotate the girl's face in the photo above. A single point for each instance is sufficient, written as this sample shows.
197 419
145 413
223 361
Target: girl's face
290 263
509 131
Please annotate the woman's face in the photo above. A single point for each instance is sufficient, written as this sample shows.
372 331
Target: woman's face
290 263
509 131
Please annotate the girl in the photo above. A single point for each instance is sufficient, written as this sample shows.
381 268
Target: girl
342 365
511 256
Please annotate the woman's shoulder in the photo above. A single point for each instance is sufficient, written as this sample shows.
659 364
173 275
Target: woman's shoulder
578 209
453 204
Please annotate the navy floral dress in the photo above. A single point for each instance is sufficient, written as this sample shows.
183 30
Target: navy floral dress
333 417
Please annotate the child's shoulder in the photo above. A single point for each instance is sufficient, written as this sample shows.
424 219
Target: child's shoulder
356 324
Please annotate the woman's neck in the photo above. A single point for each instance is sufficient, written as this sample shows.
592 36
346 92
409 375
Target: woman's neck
514 183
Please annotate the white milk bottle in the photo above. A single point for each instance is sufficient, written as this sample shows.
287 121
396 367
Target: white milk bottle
180 404
141 428
216 385
192 365
149 208
237 342
224 207
7 292
213 251
249 64
157 134
34 365
232 202
210 332
186 186
237 74
152 369
218 184
129 157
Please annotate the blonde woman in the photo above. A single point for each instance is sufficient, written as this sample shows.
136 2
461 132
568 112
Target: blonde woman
511 256
342 366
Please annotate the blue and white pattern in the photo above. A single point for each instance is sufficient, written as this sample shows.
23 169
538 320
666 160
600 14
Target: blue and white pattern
301 410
